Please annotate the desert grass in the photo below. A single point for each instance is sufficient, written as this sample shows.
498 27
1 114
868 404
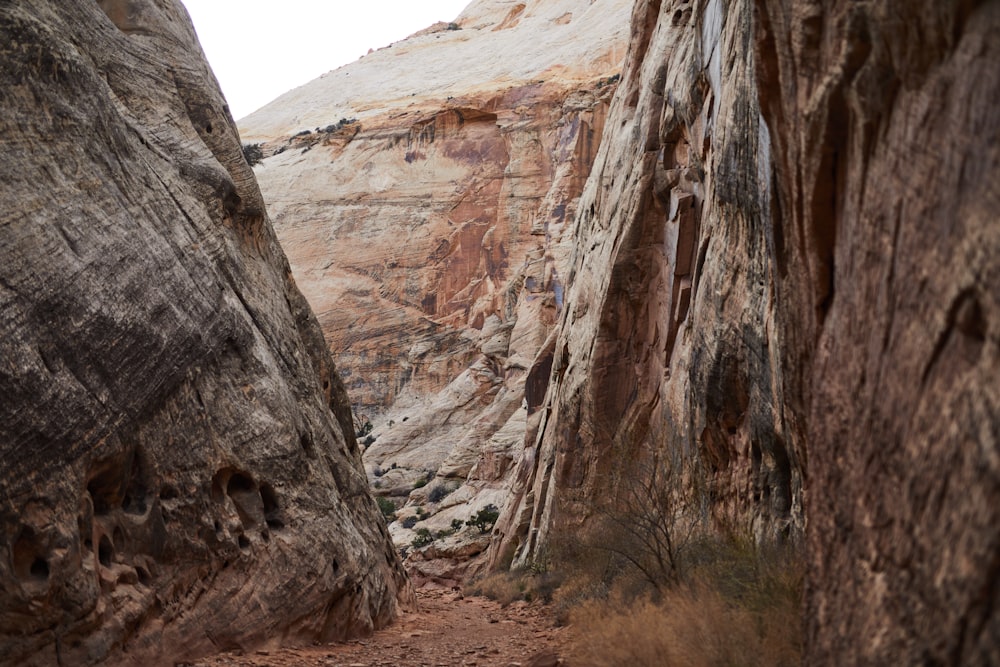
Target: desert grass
738 606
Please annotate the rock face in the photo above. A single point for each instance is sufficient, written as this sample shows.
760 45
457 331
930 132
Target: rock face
886 139
179 470
786 279
667 342
425 196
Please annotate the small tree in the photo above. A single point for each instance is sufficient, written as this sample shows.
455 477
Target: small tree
651 521
438 493
485 518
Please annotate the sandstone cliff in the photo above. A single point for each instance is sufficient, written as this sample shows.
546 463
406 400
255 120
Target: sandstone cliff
886 146
667 343
425 196
786 278
179 469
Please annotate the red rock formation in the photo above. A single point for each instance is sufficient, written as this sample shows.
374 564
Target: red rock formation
667 343
431 235
179 469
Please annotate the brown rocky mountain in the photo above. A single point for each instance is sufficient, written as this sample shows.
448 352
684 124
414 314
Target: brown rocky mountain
179 471
432 234
780 275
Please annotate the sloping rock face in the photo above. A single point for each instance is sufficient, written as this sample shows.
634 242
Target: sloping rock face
886 141
667 342
179 469
425 196
787 281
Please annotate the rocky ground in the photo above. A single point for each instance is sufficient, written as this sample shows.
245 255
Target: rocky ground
446 630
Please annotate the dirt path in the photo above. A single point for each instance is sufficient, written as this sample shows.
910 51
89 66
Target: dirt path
447 630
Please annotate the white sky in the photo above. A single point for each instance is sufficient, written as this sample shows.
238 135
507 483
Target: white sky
260 49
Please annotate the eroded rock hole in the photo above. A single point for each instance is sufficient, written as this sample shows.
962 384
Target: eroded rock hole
272 512
105 551
29 559
104 491
305 440
239 483
39 569
243 541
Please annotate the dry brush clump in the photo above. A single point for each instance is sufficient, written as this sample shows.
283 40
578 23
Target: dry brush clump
647 582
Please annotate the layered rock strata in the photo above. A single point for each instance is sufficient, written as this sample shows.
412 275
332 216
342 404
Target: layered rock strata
179 469
425 195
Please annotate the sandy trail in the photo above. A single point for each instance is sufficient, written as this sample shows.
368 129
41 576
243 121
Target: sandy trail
446 630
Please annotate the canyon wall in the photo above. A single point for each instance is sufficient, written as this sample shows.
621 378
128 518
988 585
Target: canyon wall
886 144
425 197
668 342
180 474
785 281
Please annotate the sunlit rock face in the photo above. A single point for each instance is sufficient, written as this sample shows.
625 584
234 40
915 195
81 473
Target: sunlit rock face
425 197
179 474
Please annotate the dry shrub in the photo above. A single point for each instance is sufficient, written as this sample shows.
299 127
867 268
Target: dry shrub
737 608
504 587
507 587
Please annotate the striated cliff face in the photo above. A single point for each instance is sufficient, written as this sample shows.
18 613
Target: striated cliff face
785 279
179 469
432 233
668 340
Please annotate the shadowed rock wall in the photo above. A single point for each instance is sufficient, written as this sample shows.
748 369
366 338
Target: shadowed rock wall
179 470
667 342
887 148
786 277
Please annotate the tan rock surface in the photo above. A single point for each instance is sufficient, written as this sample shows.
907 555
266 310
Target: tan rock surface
666 343
430 235
176 475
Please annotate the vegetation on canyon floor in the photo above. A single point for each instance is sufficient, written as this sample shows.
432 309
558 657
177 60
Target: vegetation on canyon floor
646 582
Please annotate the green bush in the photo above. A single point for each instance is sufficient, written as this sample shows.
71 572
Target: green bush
387 506
485 518
253 154
422 539
438 493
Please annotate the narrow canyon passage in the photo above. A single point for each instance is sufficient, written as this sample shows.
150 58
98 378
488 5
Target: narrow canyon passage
446 630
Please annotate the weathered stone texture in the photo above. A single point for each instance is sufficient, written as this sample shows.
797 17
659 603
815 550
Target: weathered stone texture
179 471
887 147
803 309
667 340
